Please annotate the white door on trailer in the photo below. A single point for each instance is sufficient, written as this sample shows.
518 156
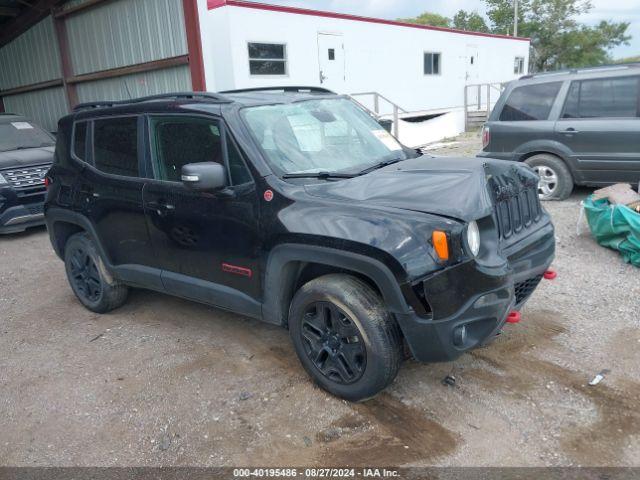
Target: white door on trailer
331 61
472 75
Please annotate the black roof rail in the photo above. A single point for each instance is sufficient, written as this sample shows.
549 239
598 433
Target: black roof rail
213 97
295 89
595 68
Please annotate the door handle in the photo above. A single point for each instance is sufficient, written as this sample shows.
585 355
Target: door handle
569 131
161 208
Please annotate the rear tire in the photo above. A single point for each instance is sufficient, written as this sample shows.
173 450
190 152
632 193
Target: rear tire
556 181
344 336
89 280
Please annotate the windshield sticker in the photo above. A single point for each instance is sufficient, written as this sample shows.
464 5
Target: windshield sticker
386 138
21 125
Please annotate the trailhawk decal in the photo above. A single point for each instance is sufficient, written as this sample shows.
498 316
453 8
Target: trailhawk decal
237 270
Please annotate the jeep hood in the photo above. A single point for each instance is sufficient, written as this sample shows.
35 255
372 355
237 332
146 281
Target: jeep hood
26 157
452 187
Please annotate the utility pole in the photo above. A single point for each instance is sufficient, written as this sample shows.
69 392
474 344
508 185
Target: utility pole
515 18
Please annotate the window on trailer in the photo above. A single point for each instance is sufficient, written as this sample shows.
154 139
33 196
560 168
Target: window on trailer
267 58
518 66
431 63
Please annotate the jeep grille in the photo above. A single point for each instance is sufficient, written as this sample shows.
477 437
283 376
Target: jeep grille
517 205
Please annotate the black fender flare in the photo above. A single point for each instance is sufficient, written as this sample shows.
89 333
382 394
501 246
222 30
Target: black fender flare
55 215
281 272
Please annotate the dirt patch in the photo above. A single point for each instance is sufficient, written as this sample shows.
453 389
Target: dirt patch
384 431
514 371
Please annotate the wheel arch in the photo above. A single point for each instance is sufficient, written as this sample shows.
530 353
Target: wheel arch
289 266
62 224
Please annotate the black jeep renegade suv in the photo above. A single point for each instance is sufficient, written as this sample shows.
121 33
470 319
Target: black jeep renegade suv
296 207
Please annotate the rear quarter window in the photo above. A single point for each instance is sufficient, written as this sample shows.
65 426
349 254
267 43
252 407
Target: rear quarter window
530 102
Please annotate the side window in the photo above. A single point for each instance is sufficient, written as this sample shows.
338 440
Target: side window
431 63
518 66
80 140
267 59
531 102
607 97
177 141
115 146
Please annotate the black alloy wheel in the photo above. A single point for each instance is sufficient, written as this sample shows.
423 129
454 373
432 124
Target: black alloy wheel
90 280
84 274
333 343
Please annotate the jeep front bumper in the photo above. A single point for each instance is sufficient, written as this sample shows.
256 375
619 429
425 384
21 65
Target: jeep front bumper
470 303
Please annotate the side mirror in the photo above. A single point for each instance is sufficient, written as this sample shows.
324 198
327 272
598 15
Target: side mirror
205 176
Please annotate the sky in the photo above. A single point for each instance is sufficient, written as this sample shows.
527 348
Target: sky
616 10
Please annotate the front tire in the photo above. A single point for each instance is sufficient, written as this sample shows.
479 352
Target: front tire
344 336
87 276
556 181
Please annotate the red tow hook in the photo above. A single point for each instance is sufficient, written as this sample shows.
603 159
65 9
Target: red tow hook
550 274
513 317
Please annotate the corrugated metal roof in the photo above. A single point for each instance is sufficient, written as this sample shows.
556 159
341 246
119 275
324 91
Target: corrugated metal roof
44 107
176 79
31 58
125 32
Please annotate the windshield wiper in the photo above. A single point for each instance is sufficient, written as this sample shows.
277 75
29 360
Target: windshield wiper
321 175
27 147
378 165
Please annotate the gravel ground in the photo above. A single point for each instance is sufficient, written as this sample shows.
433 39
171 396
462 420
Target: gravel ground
162 381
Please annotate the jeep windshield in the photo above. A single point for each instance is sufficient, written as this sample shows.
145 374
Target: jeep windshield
322 138
19 134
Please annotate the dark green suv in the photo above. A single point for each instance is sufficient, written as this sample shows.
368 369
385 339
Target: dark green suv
580 127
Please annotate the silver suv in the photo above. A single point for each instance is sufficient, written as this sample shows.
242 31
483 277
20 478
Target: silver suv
579 127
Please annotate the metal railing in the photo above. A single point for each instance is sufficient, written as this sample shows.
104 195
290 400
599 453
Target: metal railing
482 101
376 108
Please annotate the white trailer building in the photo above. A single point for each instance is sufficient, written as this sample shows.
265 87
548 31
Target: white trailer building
57 53
424 70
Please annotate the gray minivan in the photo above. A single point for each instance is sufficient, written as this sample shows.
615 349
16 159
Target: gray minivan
579 127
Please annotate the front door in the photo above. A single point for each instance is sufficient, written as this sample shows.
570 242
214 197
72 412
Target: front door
207 243
601 127
331 59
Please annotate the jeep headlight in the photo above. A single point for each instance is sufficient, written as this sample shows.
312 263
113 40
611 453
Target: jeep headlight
3 181
473 238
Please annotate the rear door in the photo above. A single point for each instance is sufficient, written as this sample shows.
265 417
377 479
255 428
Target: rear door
331 60
109 192
600 124
207 243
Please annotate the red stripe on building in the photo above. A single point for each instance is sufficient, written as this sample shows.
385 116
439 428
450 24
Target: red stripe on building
194 45
212 4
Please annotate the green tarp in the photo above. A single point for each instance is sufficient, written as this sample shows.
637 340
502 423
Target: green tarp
615 226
